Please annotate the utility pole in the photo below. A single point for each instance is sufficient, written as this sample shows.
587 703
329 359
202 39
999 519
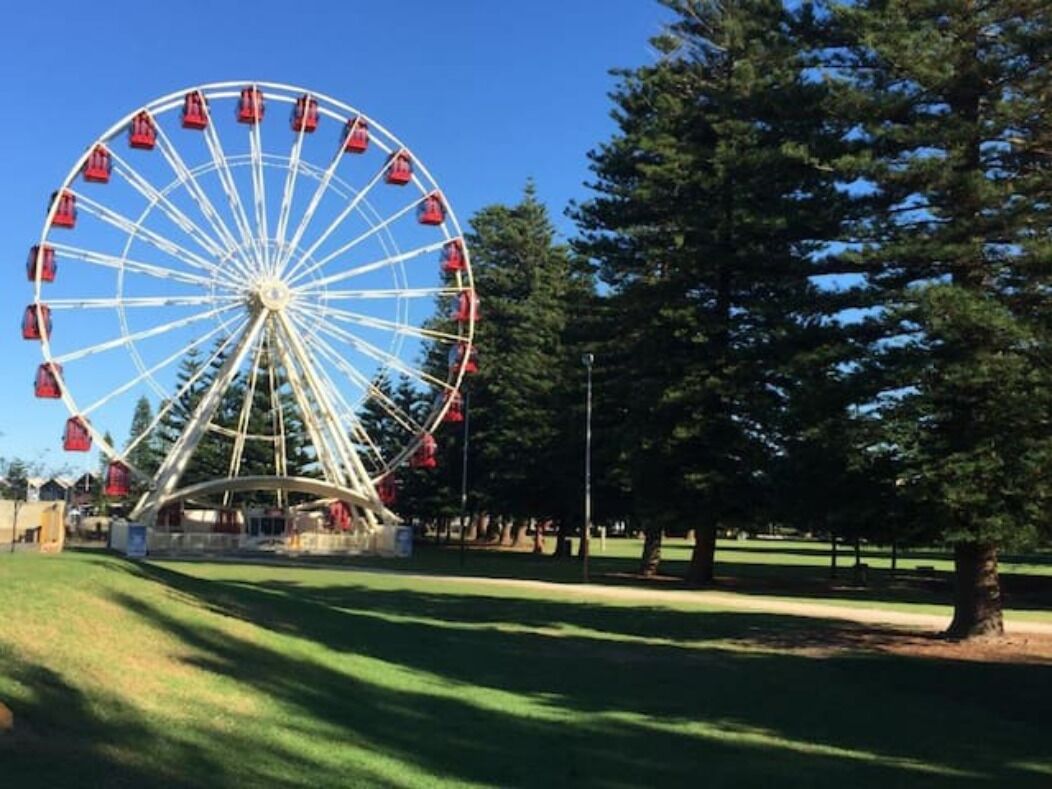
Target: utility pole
464 478
588 360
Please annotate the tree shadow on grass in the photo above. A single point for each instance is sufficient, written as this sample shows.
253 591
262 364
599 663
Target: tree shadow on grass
592 704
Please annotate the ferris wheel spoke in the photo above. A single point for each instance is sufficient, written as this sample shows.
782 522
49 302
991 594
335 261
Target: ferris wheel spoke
310 410
349 458
383 357
368 321
348 416
167 476
147 190
226 180
312 207
136 230
204 203
373 230
403 418
238 450
367 268
116 262
172 359
286 196
170 403
388 293
123 340
137 301
333 226
277 417
259 187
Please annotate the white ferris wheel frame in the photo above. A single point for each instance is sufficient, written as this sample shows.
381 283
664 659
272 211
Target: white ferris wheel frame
288 334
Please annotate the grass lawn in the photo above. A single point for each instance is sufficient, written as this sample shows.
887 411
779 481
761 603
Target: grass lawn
198 673
784 570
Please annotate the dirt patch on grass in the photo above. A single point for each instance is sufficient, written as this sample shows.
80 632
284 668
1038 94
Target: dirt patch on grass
840 640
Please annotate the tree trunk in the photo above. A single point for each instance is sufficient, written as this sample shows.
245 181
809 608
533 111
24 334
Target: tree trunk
977 597
894 555
832 557
518 534
563 549
449 530
703 558
858 551
505 531
482 527
648 565
538 536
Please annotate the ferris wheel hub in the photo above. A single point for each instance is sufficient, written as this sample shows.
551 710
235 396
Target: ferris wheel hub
273 294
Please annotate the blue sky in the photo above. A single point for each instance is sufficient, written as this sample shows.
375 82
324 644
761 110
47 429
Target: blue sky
487 93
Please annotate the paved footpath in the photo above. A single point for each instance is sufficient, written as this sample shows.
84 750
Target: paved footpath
737 602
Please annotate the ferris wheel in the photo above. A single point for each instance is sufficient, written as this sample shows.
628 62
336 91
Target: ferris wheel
299 265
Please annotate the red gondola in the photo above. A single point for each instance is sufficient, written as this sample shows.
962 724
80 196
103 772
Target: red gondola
356 135
399 168
424 457
47 380
250 106
118 479
48 268
77 437
195 115
98 165
387 489
456 408
340 515
431 211
35 317
456 358
142 133
66 213
453 259
305 114
466 307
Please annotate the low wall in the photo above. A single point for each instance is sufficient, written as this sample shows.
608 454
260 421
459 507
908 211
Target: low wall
40 523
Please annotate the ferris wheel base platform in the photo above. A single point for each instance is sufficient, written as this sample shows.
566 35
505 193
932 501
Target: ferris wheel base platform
386 540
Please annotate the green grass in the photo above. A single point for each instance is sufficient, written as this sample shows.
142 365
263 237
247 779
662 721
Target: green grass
782 570
133 674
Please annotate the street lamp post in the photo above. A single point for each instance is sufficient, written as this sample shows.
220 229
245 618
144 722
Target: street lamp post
464 478
588 360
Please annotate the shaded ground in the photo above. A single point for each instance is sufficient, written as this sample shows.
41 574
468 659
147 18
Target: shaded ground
201 674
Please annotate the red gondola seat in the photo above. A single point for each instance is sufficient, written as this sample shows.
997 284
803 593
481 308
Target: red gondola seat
455 413
36 317
66 213
431 210
399 168
118 479
356 135
47 381
195 114
142 133
424 457
48 268
77 437
387 490
461 355
340 515
453 259
98 165
250 106
466 307
305 114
